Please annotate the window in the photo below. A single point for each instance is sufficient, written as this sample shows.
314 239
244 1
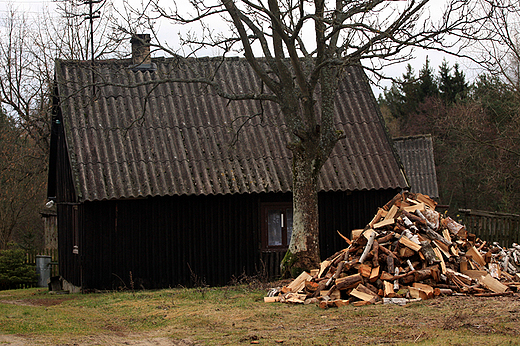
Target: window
277 222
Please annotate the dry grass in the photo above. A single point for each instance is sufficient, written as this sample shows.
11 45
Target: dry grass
238 316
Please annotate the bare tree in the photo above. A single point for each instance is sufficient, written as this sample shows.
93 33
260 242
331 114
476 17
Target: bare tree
299 50
28 49
500 50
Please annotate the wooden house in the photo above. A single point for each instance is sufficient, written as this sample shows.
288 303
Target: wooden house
159 183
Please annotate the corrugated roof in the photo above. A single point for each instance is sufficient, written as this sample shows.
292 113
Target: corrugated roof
416 153
159 139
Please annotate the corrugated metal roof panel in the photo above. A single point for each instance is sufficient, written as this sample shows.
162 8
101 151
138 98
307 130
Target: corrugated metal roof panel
181 139
416 154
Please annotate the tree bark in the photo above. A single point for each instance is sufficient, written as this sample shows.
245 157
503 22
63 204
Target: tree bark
304 253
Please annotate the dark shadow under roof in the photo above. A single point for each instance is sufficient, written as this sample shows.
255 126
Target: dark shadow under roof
163 139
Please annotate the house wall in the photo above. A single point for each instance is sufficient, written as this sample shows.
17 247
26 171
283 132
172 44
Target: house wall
194 240
166 241
339 211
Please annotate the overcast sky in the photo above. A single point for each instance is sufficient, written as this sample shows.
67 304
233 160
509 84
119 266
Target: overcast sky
34 7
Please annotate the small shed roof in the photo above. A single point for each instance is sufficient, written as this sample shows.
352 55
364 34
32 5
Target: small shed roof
416 153
166 138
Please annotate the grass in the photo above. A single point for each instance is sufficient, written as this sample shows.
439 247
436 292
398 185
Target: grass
238 316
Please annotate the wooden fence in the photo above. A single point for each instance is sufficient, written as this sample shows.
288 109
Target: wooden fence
493 227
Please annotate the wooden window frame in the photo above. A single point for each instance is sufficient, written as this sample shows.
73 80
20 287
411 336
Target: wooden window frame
264 208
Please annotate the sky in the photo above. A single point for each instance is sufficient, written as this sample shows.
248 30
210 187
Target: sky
34 7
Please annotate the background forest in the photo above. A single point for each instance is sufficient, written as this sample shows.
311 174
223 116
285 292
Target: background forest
475 128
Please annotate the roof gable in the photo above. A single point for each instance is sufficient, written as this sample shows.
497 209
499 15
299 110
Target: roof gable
159 139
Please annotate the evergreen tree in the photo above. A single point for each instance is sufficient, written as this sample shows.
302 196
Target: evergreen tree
14 270
427 84
453 87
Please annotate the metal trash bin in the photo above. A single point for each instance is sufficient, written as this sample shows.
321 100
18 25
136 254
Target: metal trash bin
43 269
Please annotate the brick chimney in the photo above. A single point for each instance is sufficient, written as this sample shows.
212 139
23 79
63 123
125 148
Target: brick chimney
141 58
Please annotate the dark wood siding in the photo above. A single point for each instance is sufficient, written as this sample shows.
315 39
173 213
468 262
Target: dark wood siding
69 212
344 211
167 241
68 236
190 240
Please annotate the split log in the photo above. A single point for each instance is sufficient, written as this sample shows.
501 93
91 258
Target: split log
410 244
388 289
375 254
426 200
347 282
299 283
368 291
365 270
387 252
362 294
439 255
385 238
349 242
390 264
492 284
368 247
428 252
476 256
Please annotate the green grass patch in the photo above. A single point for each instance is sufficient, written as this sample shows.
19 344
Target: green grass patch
238 315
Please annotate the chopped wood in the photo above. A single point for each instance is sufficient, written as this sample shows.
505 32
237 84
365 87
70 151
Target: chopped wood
392 212
414 207
410 244
476 256
363 295
388 289
418 293
271 299
331 294
368 246
299 283
323 267
413 252
474 274
429 254
365 270
424 287
426 200
439 255
356 233
492 284
445 250
385 222
374 274
377 217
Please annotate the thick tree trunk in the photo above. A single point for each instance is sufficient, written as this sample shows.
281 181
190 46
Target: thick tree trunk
304 252
314 139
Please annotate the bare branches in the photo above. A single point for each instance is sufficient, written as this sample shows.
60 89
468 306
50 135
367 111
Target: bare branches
500 50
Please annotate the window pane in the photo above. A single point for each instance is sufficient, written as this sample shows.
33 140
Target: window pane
274 228
288 212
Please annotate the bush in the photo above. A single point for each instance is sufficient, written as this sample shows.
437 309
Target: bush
14 271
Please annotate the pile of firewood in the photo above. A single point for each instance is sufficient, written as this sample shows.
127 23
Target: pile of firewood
408 252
